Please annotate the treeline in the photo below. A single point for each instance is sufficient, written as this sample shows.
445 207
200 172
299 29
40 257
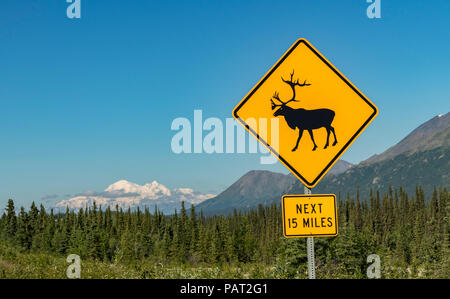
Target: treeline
410 233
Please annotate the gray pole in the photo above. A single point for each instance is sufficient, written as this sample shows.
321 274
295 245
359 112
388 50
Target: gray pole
310 250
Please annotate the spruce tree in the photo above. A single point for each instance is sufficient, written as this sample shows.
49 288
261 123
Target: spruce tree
11 220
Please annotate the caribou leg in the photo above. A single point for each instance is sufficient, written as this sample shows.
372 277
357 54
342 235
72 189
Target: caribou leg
300 133
312 138
328 137
334 134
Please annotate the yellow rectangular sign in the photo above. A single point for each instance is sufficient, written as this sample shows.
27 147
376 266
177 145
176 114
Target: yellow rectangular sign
311 215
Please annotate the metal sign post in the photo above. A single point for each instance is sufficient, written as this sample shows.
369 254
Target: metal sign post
309 216
310 250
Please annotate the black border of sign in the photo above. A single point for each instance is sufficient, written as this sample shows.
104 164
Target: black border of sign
309 195
344 148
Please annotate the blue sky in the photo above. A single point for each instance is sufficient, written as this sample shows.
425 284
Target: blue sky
86 102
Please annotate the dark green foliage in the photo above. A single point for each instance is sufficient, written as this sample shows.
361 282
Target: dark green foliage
10 225
409 233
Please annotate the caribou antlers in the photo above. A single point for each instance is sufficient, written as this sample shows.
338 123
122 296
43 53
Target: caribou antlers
296 83
292 84
276 97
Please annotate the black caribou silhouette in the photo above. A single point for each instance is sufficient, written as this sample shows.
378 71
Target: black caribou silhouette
304 119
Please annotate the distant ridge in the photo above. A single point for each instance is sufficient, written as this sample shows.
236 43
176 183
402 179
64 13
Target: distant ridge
421 158
429 169
254 188
422 138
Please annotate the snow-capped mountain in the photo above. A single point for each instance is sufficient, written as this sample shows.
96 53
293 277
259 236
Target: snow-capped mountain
126 194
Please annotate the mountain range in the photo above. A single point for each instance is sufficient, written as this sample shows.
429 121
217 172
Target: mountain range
257 187
125 194
421 158
430 135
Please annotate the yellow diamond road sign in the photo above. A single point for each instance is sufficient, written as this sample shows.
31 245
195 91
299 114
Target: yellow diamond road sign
319 112
312 215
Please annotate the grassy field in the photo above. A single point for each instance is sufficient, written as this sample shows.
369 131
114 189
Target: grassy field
14 264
